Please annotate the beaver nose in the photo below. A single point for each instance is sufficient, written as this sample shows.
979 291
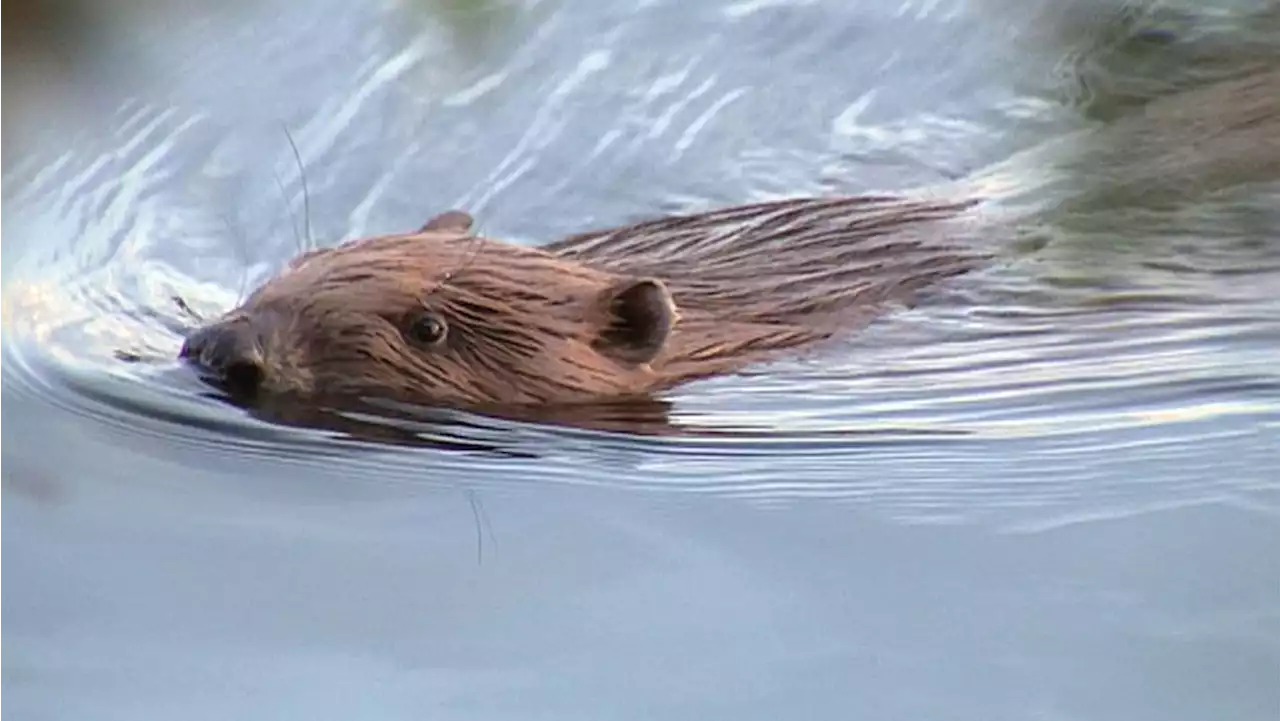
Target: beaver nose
232 352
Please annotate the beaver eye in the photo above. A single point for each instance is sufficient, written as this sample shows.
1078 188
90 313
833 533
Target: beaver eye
428 329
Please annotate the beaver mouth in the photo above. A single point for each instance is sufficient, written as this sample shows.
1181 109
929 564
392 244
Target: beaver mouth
228 357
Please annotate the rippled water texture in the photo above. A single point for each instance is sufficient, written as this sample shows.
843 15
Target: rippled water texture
1049 491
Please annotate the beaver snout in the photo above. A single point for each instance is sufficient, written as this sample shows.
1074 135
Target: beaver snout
232 353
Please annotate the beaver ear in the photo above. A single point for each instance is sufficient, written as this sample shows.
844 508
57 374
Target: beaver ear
451 220
639 315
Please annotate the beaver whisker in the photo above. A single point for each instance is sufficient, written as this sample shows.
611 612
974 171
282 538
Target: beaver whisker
307 242
186 309
482 524
474 249
293 222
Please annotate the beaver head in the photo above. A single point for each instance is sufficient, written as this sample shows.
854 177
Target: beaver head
440 316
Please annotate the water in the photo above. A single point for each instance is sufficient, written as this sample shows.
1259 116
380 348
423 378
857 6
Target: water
1048 492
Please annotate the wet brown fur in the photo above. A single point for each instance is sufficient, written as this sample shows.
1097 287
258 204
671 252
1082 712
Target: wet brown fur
757 280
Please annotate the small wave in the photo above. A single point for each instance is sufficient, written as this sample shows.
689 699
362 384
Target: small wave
1126 366
996 425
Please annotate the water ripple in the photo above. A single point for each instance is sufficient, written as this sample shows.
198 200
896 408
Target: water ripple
1128 367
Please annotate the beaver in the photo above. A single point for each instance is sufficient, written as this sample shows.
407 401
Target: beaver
447 316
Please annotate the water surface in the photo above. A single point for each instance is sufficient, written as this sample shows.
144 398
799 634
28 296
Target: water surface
1048 492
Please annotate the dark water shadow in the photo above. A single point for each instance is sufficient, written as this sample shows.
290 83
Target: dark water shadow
1152 50
517 431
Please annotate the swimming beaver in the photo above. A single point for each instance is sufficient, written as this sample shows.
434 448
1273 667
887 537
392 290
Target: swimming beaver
445 316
